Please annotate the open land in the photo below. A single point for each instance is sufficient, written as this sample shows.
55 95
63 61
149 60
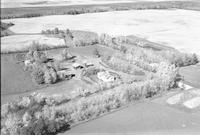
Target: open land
27 12
176 28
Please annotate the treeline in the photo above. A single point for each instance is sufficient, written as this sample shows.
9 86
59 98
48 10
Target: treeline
137 53
4 29
8 13
73 37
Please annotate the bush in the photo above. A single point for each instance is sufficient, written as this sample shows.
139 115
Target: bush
105 39
84 38
38 75
50 76
39 56
96 53
65 54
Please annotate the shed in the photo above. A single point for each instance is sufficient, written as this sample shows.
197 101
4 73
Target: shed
77 66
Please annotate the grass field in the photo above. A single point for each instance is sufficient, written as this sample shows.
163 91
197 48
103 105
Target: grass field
13 78
80 9
20 43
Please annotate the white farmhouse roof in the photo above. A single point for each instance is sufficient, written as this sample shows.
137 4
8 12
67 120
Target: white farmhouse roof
27 62
105 76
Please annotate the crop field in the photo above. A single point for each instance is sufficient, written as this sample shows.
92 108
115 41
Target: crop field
31 9
178 28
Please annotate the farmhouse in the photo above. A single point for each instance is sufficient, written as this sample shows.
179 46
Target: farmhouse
28 62
105 76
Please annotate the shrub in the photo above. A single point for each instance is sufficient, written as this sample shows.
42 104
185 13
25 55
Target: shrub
105 40
65 54
38 75
96 53
39 56
84 38
36 46
50 75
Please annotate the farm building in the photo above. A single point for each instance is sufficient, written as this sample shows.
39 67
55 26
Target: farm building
65 74
88 63
77 66
105 76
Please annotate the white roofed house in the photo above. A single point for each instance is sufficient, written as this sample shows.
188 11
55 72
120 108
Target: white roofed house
106 76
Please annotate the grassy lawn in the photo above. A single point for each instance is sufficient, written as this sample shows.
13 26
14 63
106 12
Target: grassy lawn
13 78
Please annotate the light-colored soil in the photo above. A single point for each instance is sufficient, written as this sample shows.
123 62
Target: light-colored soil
176 28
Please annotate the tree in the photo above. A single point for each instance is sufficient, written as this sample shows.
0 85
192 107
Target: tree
69 34
40 56
96 53
38 75
65 54
56 31
50 76
195 58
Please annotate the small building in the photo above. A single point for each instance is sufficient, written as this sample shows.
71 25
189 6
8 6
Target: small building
28 62
154 65
105 76
88 63
77 66
62 74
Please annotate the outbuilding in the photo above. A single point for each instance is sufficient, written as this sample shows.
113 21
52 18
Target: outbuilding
77 66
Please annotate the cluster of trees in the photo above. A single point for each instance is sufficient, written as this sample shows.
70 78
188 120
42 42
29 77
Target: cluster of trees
4 29
84 38
40 71
31 115
179 59
56 31
74 38
122 65
113 42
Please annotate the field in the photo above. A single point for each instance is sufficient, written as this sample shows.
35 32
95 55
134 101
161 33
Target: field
14 12
13 72
177 28
20 43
